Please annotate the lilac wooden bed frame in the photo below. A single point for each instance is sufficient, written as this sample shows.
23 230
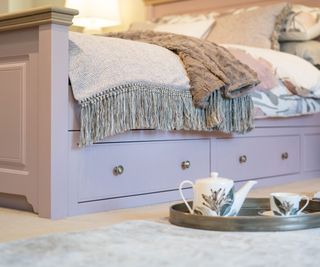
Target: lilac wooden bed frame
39 130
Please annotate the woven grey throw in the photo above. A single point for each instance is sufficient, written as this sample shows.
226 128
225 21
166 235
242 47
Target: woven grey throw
209 66
123 85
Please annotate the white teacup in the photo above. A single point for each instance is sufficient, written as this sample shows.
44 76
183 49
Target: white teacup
287 204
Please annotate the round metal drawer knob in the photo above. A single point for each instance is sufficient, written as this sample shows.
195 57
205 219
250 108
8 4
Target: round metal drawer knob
185 165
118 170
243 159
285 156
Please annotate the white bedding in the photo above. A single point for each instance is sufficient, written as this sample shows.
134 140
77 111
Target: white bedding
280 102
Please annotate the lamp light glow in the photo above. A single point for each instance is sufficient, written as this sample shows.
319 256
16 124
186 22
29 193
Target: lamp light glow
95 14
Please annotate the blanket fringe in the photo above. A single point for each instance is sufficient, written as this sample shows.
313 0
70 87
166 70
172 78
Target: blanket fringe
139 107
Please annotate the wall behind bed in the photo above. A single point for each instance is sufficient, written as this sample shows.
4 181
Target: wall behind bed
7 6
135 10
131 10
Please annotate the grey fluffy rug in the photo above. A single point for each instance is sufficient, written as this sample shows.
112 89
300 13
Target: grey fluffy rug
144 243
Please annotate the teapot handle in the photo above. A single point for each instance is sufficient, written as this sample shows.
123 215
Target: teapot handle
307 202
182 196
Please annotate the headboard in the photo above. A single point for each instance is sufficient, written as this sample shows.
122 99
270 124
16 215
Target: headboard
158 8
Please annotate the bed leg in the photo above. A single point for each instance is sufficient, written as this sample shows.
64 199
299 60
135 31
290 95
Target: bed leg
53 121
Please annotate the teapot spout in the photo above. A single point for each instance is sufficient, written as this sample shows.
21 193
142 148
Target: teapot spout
240 196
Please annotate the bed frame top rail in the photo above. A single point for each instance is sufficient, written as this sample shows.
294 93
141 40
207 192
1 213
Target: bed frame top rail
158 8
36 17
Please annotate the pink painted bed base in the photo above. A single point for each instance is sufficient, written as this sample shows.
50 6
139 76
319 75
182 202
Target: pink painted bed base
39 158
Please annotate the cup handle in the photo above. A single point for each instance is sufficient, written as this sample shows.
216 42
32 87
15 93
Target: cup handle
182 196
307 199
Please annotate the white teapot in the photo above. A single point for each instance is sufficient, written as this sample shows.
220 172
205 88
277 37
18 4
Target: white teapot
214 196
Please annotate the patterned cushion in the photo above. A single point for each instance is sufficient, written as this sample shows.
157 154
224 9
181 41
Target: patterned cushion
298 75
263 68
302 24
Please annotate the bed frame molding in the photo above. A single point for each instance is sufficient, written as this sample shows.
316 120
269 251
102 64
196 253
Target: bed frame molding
36 17
39 157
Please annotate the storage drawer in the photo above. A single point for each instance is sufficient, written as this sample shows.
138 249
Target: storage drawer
147 167
256 157
311 152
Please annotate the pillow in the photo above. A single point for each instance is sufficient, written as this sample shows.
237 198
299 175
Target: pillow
142 26
197 26
172 19
298 75
308 50
257 27
264 69
240 10
199 29
302 24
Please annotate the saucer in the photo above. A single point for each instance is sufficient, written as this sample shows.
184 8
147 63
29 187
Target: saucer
270 214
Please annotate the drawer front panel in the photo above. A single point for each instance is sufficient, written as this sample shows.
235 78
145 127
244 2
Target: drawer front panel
311 152
256 157
147 167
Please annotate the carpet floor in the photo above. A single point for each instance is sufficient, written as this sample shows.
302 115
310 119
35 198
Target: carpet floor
145 243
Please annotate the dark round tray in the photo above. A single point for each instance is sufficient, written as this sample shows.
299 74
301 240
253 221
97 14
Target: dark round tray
248 219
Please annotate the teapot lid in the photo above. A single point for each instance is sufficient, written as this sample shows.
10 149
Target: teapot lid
214 174
214 177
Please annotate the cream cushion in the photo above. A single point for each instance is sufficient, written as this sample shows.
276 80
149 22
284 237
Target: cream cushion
255 27
308 50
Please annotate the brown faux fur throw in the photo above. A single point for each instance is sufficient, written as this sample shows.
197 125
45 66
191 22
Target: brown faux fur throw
210 67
